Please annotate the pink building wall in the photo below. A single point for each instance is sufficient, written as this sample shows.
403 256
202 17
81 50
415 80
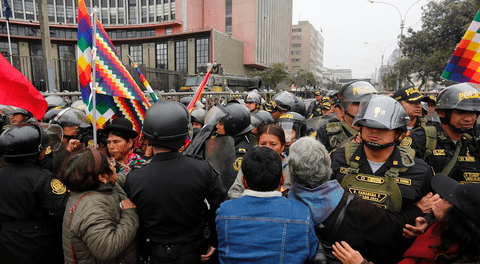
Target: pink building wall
215 14
244 27
195 14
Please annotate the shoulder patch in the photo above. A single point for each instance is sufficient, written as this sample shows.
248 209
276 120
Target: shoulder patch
238 163
57 187
242 150
406 142
90 143
48 150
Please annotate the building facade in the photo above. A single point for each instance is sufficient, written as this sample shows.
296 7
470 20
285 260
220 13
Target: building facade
167 37
307 49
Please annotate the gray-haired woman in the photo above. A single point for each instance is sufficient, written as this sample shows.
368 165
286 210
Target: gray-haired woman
376 232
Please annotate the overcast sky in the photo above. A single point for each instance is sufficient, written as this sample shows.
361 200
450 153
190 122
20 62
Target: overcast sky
348 24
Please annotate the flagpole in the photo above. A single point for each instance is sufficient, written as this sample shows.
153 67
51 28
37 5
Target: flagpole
144 80
94 81
9 42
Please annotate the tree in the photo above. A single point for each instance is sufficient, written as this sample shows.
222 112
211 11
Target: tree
427 51
300 80
272 75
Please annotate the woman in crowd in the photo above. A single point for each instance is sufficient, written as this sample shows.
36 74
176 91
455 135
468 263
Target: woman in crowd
339 215
453 238
120 142
271 136
100 223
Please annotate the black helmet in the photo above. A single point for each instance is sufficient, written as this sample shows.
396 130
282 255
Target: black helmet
253 97
187 99
286 101
383 112
293 121
29 139
261 118
18 110
51 113
462 96
68 117
237 120
198 115
79 104
167 123
55 101
353 92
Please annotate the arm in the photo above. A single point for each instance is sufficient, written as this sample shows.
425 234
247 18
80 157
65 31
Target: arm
104 238
53 194
237 188
416 140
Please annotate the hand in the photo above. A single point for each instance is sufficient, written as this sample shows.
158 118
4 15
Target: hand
412 232
427 202
73 144
346 254
209 253
127 204
358 138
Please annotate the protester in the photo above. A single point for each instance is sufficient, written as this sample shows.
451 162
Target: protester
99 223
120 143
262 226
270 136
338 215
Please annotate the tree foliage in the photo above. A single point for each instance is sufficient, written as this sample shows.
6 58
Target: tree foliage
301 80
427 52
272 75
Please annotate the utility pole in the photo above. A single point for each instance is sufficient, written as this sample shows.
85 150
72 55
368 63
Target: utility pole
46 44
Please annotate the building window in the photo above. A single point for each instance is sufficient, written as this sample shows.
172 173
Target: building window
296 37
119 51
168 31
202 48
132 12
181 58
296 52
5 50
296 45
162 56
296 60
68 68
228 17
38 67
136 53
296 30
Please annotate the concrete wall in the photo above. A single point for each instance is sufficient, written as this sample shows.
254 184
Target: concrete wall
228 51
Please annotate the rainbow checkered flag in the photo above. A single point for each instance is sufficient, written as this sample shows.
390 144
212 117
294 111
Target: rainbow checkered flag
114 80
464 66
105 107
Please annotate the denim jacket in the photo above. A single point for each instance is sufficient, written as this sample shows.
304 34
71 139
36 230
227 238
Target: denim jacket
264 227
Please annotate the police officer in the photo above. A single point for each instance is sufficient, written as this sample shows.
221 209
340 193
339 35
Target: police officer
55 101
259 119
315 107
411 98
294 126
376 169
450 147
170 189
334 134
20 115
285 102
32 200
253 101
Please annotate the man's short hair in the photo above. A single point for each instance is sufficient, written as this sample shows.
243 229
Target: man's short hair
262 169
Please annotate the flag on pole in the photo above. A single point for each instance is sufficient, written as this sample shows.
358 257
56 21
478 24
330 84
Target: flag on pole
8 10
144 81
16 90
200 89
464 66
113 79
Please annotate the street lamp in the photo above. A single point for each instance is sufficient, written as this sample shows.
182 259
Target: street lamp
402 25
382 51
375 73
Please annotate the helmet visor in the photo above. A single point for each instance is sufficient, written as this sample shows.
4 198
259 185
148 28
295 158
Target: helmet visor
52 136
291 129
215 114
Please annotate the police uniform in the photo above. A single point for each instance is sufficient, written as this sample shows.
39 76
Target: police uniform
314 109
169 193
242 145
441 149
334 134
32 202
414 183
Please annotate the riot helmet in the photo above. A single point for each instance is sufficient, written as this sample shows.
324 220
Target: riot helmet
187 99
198 115
55 101
382 112
18 110
353 92
261 118
78 105
27 140
167 124
294 126
51 113
253 97
68 117
237 120
462 96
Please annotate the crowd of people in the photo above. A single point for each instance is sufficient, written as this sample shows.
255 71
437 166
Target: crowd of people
354 177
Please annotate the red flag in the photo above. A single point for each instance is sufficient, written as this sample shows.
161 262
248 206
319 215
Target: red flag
16 90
